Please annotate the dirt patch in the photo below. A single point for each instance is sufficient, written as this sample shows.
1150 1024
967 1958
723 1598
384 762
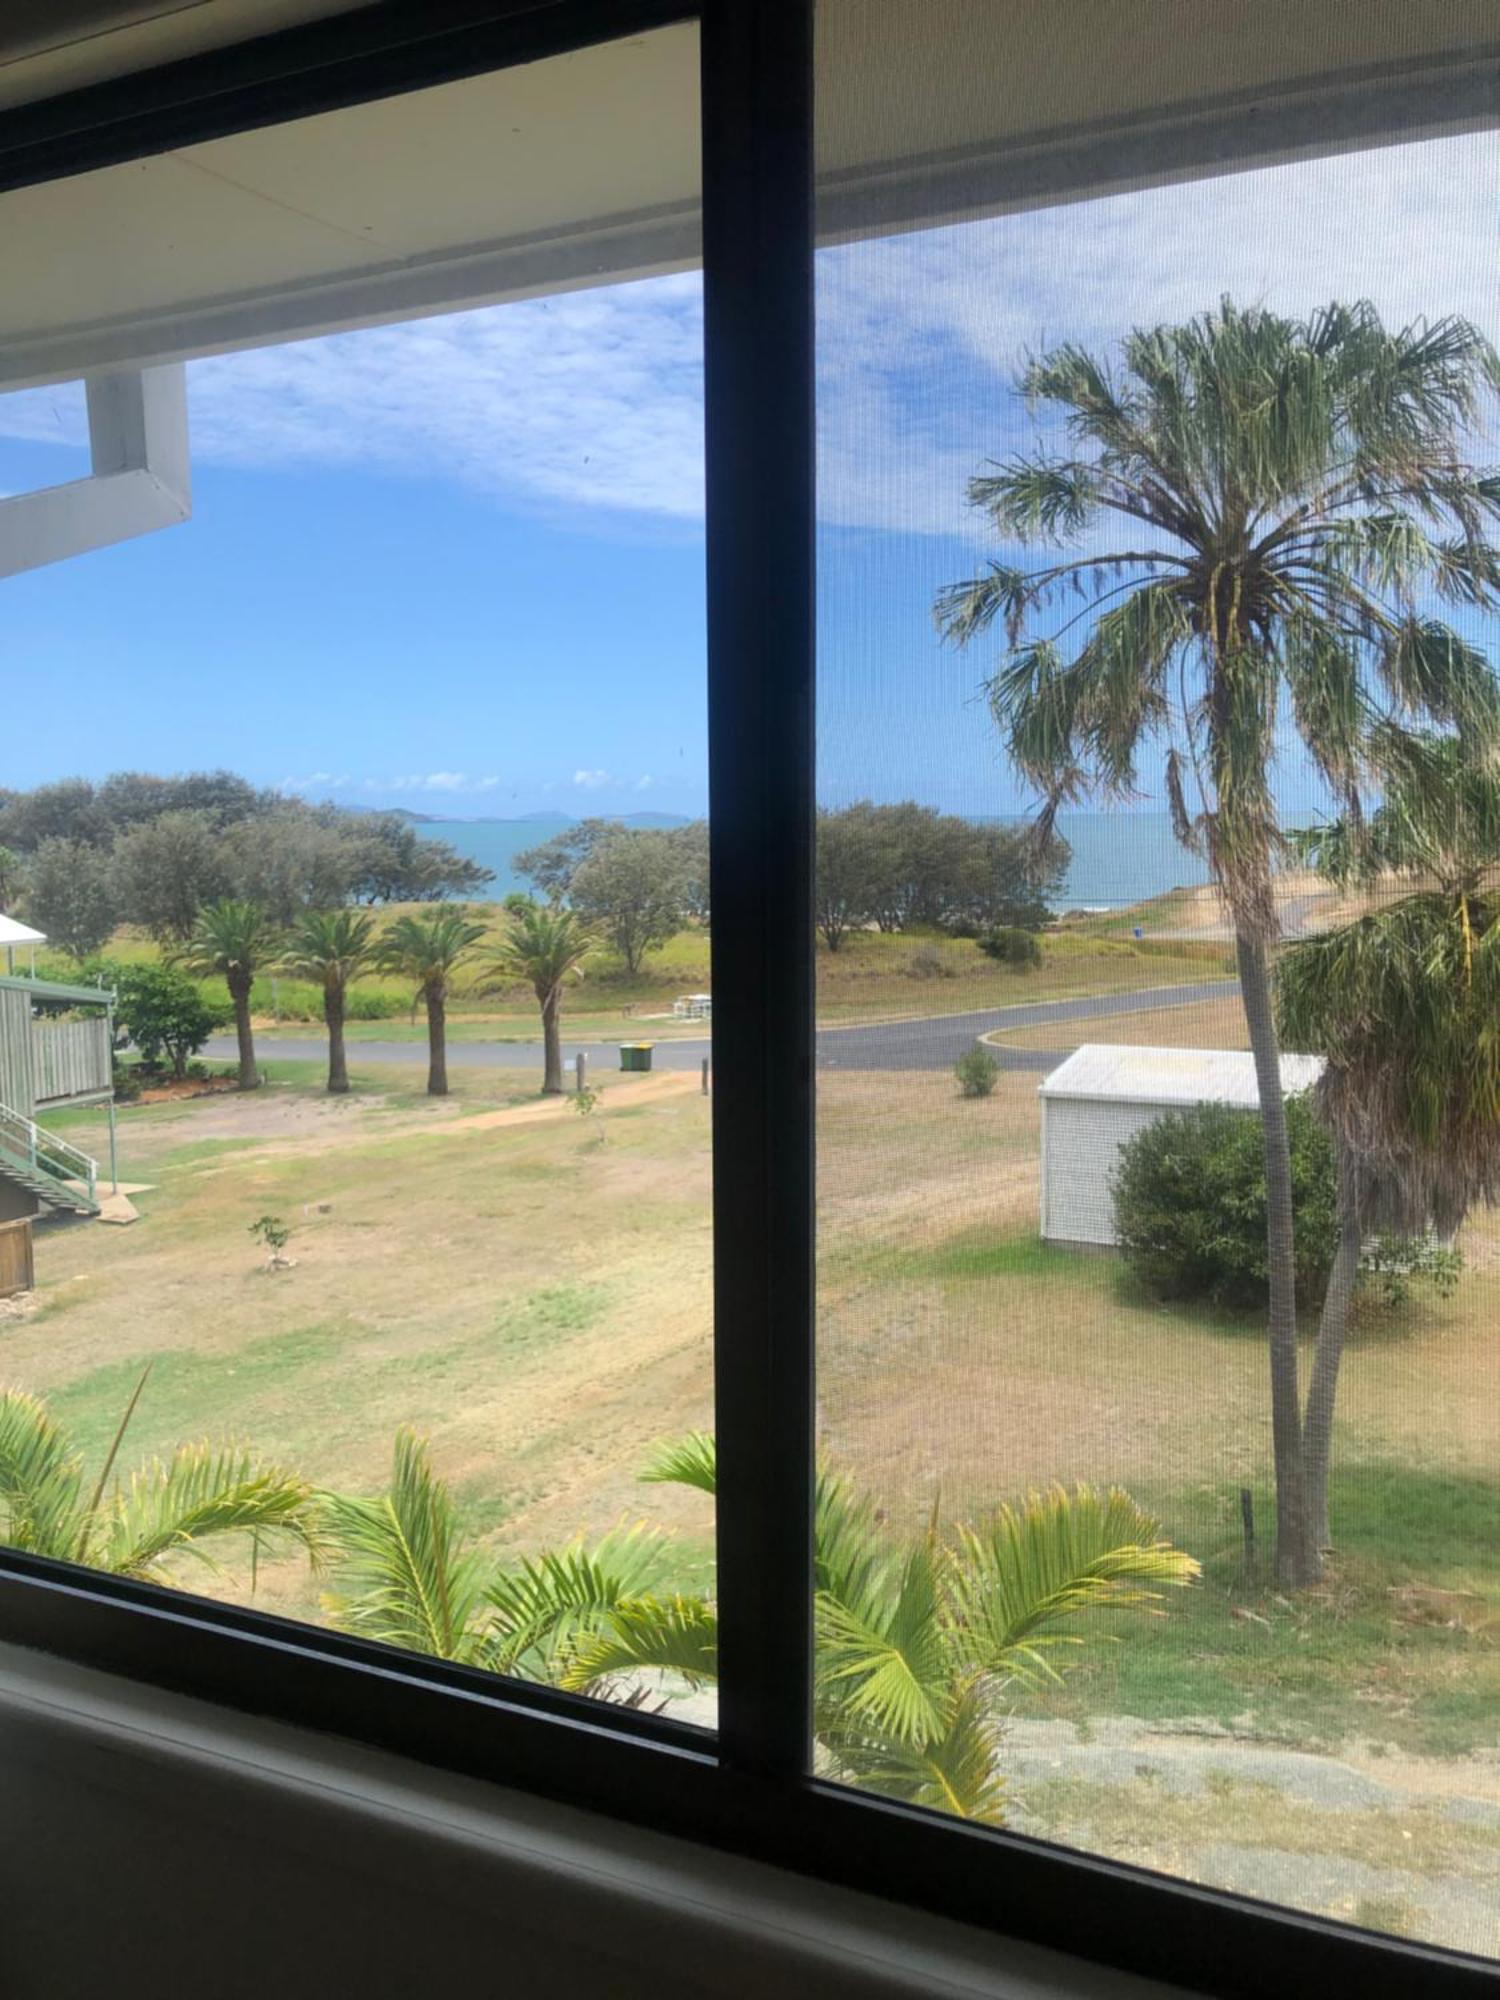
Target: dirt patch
185 1090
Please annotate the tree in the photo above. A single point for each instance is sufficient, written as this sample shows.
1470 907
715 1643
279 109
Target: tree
66 810
919 1639
1401 1002
164 1510
291 861
546 947
1291 492
551 865
70 896
633 885
691 843
162 1012
428 950
165 871
330 948
235 940
845 885
12 873
396 864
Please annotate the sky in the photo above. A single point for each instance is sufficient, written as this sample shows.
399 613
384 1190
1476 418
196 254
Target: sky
457 564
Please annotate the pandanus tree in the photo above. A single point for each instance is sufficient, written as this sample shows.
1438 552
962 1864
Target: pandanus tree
1403 1003
428 950
1255 521
137 1526
920 1639
235 940
330 948
545 944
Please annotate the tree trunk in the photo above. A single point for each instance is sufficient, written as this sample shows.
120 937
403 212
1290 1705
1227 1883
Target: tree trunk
437 1039
239 993
333 1014
552 1082
1317 1427
1294 1561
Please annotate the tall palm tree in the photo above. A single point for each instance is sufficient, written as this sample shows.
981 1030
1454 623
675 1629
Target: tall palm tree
545 944
235 940
330 948
918 1641
428 950
1292 497
134 1528
1401 1002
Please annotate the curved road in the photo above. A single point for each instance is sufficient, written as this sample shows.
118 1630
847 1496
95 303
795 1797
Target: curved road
934 1043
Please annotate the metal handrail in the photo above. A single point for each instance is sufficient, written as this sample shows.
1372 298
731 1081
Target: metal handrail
47 1153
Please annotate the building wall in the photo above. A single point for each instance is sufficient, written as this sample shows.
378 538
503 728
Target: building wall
17 1086
1081 1140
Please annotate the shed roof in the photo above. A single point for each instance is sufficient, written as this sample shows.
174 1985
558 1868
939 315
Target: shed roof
1142 1075
12 932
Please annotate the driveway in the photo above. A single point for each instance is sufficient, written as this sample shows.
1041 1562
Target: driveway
935 1042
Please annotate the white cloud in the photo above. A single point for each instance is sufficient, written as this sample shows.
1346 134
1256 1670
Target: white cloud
644 784
319 781
427 781
590 402
590 781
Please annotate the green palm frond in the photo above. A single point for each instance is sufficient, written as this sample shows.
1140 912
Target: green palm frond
232 938
198 1494
684 1461
671 1635
544 1607
401 1573
330 947
41 1480
545 944
882 1652
428 949
956 1771
1021 1579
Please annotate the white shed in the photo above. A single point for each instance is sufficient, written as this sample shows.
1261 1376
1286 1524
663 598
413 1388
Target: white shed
1102 1096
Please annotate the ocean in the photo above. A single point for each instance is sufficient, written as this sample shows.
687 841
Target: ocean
1118 858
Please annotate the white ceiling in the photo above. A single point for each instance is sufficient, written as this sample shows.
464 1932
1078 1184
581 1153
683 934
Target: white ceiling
585 167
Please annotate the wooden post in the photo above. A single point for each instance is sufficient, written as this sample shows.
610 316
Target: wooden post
581 1070
1247 1523
705 1076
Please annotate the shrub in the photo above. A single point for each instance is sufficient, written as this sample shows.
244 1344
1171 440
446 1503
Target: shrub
1020 951
928 964
1190 1204
164 1014
976 1071
372 1003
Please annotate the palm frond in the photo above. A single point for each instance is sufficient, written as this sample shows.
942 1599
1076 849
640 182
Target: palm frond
543 1608
882 1656
669 1635
685 1461
41 1479
197 1495
957 1771
401 1573
1022 1578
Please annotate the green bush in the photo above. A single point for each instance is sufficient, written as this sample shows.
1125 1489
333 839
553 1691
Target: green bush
976 1071
1010 946
1190 1204
373 1003
164 1014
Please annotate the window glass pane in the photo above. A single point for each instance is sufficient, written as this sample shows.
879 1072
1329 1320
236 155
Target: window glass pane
1158 582
366 808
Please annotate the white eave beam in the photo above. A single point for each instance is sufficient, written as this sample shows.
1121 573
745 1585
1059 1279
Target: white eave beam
138 449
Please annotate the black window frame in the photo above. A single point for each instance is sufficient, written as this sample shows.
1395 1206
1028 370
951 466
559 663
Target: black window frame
748 1787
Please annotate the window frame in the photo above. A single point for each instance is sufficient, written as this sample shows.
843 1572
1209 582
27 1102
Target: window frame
748 1787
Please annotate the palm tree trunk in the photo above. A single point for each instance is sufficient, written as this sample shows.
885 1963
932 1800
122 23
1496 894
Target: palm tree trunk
552 1082
333 1014
239 993
437 1039
1294 1563
1317 1426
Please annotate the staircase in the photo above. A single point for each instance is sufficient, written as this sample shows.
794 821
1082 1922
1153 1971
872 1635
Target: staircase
59 1175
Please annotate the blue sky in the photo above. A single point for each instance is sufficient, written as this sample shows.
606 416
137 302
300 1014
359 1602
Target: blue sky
457 565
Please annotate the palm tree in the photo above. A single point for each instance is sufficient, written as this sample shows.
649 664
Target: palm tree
545 945
1291 494
163 1510
234 939
918 1642
428 950
1401 1002
330 948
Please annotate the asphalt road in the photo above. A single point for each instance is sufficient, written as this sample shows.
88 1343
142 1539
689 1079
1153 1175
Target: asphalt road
934 1043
